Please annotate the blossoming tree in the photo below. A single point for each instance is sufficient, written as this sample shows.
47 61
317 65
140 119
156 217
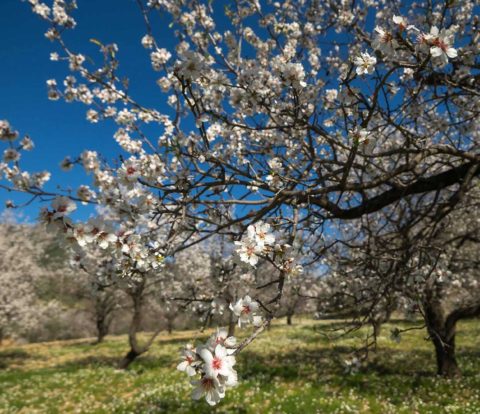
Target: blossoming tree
422 261
22 307
282 118
97 271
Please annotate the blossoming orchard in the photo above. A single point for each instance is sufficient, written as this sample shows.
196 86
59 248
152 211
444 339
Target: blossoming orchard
323 153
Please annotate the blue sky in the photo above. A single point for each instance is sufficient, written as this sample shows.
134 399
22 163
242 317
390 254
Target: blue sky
59 129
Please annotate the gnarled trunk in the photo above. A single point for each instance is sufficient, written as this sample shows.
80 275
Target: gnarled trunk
135 348
445 354
441 329
291 308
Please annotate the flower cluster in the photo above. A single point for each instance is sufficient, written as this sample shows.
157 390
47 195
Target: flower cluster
439 44
9 164
365 64
246 310
258 241
363 138
131 250
213 361
159 57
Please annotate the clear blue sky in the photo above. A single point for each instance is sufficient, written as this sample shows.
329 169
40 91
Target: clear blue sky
59 129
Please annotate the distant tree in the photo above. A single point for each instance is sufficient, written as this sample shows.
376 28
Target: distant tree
22 309
100 287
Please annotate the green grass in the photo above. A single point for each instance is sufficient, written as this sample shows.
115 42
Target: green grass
287 370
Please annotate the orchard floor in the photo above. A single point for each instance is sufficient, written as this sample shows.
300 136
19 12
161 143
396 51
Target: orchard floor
290 369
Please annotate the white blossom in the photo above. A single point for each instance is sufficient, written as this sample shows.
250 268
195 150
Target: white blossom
441 45
148 42
365 64
189 361
245 309
159 57
210 388
62 206
220 363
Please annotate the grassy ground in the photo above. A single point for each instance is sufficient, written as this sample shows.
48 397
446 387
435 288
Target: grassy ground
288 370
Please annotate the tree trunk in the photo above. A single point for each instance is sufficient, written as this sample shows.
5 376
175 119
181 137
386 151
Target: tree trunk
291 310
102 329
135 349
104 309
377 327
128 359
441 329
231 324
444 343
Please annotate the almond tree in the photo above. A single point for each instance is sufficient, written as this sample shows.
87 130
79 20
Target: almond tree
21 307
450 292
100 285
207 279
287 115
294 300
425 261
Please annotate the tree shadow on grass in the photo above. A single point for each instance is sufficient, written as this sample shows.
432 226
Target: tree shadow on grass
149 360
390 374
74 343
143 363
13 356
91 361
294 365
179 341
166 404
301 364
469 353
